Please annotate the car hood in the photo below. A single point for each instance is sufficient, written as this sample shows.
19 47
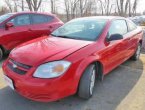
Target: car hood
39 50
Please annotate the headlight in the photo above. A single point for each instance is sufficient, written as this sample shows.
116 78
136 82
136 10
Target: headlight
52 69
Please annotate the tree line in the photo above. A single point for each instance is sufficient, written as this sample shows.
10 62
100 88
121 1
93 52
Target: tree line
76 8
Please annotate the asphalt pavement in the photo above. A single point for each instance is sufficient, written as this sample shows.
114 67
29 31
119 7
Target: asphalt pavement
122 89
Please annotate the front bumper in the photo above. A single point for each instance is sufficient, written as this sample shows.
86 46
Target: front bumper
44 90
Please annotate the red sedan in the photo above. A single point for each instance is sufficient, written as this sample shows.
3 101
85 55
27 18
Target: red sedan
17 28
71 59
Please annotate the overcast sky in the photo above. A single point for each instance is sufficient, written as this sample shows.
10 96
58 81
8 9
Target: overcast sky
140 9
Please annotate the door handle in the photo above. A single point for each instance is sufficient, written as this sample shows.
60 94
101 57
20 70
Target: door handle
50 27
29 30
128 39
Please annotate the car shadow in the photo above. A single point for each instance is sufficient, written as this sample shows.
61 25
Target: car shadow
107 94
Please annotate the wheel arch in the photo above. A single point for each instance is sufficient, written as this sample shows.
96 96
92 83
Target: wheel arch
84 65
100 68
3 49
140 41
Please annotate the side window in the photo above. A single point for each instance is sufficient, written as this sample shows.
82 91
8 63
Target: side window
21 20
38 19
131 25
50 18
118 27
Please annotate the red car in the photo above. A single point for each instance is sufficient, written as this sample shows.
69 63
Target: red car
16 28
71 59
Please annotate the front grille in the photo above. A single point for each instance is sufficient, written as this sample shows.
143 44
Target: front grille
17 67
16 70
20 64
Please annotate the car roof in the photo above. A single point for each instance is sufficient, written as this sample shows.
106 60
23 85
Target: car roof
102 17
17 13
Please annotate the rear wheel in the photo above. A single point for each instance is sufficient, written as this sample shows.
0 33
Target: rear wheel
87 83
137 53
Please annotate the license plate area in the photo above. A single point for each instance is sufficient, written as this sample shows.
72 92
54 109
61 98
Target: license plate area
9 82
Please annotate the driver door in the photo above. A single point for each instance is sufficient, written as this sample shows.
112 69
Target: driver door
115 50
19 33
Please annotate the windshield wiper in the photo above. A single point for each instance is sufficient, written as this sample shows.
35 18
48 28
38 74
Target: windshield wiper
60 36
63 36
53 35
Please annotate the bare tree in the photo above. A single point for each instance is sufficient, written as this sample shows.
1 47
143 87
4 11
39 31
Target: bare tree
16 5
4 10
129 10
74 8
127 7
34 5
83 6
20 4
9 5
106 6
53 8
29 3
71 8
77 8
67 9
135 6
122 6
102 8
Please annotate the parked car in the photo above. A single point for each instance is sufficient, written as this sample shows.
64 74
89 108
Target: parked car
71 59
17 28
138 20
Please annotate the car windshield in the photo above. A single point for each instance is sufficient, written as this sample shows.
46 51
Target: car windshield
83 29
4 17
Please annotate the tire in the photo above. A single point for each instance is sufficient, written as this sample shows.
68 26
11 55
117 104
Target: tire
1 54
87 82
137 53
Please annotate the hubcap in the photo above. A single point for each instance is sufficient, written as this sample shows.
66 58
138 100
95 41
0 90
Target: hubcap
92 81
138 51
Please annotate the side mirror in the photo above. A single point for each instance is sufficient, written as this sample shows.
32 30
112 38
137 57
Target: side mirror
115 37
9 25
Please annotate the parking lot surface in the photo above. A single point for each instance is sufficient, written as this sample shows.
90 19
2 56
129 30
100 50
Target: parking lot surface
122 89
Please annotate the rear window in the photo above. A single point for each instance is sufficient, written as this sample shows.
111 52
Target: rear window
131 26
38 19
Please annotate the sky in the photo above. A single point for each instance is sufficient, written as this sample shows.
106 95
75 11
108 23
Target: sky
141 6
140 9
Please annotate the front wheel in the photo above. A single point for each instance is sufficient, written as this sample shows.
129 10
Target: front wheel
87 82
1 54
137 53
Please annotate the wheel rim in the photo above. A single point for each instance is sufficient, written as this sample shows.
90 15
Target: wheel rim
138 51
92 81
